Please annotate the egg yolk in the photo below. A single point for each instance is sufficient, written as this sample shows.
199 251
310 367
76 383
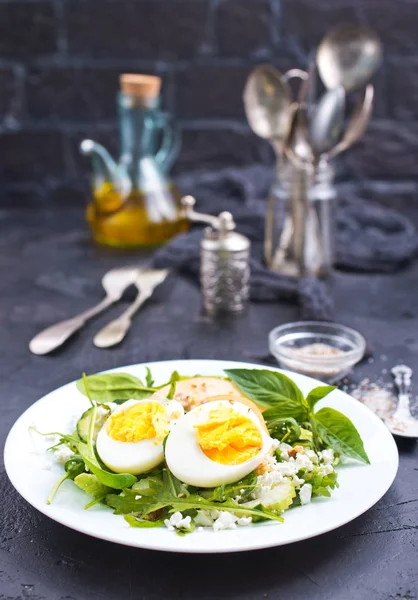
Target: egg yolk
229 437
142 421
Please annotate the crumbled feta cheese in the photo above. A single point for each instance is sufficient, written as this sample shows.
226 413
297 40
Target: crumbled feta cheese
303 462
297 480
327 456
284 451
62 454
305 493
226 520
313 457
203 518
214 513
285 469
275 443
177 520
243 521
138 497
102 415
326 470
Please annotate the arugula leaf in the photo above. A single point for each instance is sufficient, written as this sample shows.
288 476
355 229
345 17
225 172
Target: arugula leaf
338 432
143 523
114 386
243 487
318 393
269 388
126 504
148 379
175 377
91 485
73 467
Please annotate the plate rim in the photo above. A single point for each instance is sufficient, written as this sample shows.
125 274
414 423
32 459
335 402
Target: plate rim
43 508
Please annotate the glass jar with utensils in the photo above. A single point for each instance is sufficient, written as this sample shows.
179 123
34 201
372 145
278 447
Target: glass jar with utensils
300 220
307 133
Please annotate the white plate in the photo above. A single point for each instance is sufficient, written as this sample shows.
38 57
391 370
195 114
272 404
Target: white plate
361 486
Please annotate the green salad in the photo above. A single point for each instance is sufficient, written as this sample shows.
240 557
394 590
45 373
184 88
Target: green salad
204 452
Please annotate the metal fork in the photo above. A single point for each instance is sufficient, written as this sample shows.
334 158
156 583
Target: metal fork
115 331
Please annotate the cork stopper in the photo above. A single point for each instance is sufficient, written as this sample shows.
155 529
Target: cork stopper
140 86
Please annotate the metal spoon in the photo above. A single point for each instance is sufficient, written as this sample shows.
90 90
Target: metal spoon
267 102
357 124
327 121
349 56
402 423
115 282
305 226
115 331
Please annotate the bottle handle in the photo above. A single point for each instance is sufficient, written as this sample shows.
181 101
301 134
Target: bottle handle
171 141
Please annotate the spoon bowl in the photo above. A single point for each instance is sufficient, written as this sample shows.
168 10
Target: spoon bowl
349 56
267 102
328 120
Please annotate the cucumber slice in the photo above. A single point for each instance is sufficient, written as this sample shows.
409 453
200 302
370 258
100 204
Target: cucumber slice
83 425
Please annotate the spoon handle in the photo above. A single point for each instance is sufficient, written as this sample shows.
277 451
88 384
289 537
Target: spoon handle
115 331
53 337
402 377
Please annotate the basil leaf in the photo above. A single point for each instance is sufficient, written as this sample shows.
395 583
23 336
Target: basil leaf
337 431
285 410
268 388
114 386
318 393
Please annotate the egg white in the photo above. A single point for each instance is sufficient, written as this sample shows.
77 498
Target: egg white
187 461
135 457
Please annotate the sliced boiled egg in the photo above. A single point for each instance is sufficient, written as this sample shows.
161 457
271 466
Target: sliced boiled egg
131 440
217 443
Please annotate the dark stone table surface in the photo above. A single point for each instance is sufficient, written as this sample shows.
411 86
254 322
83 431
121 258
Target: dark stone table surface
50 271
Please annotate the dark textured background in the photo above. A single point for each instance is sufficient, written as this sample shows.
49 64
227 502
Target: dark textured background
60 60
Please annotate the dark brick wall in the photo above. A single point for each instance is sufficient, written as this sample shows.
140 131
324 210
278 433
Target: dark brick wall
60 60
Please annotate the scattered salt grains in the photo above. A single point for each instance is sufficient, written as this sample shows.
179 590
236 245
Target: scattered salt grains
378 397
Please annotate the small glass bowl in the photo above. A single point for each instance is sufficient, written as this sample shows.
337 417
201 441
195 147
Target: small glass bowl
337 348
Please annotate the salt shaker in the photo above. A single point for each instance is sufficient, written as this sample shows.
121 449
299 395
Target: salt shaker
224 261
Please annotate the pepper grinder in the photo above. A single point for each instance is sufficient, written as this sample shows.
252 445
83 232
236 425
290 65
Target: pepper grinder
224 261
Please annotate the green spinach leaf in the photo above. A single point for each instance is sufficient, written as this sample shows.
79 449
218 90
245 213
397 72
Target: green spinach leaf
91 485
337 431
114 386
269 388
318 393
113 480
